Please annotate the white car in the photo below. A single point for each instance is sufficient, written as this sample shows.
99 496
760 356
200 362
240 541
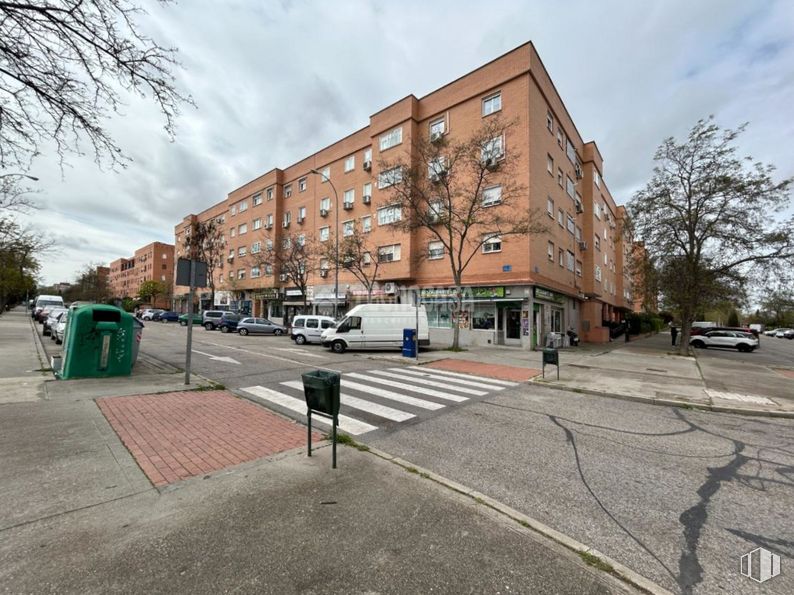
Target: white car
308 328
52 320
730 339
150 312
774 332
59 330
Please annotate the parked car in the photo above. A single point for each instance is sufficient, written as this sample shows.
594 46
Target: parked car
309 328
376 326
211 318
59 330
196 319
781 332
740 329
789 334
731 339
774 331
259 326
228 322
168 316
150 313
51 320
45 301
42 315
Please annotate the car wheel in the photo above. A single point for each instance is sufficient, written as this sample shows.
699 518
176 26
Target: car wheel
743 348
224 329
300 339
209 326
278 332
243 331
698 344
338 347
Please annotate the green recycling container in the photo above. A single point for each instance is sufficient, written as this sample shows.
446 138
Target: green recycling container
321 390
98 343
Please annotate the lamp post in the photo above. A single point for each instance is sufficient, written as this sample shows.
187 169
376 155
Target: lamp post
336 238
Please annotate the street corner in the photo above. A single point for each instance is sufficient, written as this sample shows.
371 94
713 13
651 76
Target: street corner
178 435
496 371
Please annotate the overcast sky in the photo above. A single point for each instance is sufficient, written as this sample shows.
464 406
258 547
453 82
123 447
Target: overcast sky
275 81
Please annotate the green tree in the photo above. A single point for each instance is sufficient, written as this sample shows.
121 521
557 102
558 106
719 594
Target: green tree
20 248
150 290
707 219
733 318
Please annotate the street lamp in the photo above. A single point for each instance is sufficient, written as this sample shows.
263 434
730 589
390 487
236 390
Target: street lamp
336 239
35 179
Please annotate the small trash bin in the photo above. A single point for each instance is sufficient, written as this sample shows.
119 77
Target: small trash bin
409 342
321 390
138 327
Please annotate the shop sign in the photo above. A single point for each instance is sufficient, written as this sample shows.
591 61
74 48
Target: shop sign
293 293
468 293
365 293
223 298
268 293
549 296
328 297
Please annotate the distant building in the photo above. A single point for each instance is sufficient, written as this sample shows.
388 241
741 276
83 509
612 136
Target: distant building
153 262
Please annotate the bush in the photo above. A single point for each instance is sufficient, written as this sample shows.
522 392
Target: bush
642 323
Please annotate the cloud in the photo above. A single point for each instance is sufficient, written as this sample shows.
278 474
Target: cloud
274 82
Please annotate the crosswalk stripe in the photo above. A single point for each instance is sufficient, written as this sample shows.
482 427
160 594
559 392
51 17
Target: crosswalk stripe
419 389
301 351
425 374
468 391
387 394
368 406
348 424
459 375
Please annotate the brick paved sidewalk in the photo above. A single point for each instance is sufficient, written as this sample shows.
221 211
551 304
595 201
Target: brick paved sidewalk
178 435
514 373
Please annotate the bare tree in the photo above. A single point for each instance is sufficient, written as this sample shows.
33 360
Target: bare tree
206 241
463 193
707 219
295 258
62 65
89 285
13 196
356 255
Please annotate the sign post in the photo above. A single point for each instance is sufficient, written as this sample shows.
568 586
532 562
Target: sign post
416 335
191 273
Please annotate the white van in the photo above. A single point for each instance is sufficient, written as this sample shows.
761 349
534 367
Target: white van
46 301
376 326
308 328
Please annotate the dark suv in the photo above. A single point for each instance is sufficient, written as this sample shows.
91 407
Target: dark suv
228 322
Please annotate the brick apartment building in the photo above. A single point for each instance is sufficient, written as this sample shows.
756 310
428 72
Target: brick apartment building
153 262
573 276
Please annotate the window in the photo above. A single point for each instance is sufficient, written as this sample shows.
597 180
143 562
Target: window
597 210
559 177
569 188
348 228
561 257
241 251
241 273
231 252
550 206
255 274
492 104
256 247
287 190
232 232
571 260
350 197
550 251
391 139
243 206
257 223
368 155
268 269
389 215
366 224
243 228
233 210
439 315
270 220
597 242
493 149
325 233
483 318
437 128
578 268
597 273
492 244
437 168
561 217
606 258
325 173
269 193
231 274
350 163
366 259
571 224
578 233
325 204
570 150
287 218
559 136
549 121
550 164
301 240
301 213
286 243
390 177
302 184
269 244
367 189
389 253
257 199
492 196
435 250
597 178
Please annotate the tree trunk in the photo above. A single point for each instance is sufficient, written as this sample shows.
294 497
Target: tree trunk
457 309
686 332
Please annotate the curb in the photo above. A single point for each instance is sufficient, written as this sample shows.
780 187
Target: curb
669 402
40 350
618 570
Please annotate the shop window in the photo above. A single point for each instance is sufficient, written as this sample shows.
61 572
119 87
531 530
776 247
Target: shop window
483 318
439 315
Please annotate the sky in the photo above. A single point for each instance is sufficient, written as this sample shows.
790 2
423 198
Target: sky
276 81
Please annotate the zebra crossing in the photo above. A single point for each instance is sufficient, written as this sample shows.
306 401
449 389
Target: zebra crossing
375 398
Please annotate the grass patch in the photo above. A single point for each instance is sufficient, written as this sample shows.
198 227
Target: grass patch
424 475
524 524
412 470
345 439
479 500
210 386
454 349
595 562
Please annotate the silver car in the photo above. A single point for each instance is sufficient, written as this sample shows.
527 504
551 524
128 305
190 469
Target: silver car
59 330
52 320
259 326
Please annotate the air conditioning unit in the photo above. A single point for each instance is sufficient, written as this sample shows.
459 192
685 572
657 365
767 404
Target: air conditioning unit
582 246
282 277
301 219
230 258
389 288
579 206
491 164
367 165
348 206
323 273
323 212
578 169
268 226
285 224
366 199
436 137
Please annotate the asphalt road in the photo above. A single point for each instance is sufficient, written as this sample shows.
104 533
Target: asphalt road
771 352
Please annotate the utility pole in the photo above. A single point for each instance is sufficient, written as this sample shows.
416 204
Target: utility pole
189 348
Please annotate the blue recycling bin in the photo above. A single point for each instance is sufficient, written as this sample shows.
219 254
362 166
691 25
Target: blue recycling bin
409 342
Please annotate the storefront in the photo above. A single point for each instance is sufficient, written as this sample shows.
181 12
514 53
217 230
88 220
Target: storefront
268 303
323 302
294 303
552 312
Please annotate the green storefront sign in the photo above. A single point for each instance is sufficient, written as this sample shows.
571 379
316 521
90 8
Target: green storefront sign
468 293
549 296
